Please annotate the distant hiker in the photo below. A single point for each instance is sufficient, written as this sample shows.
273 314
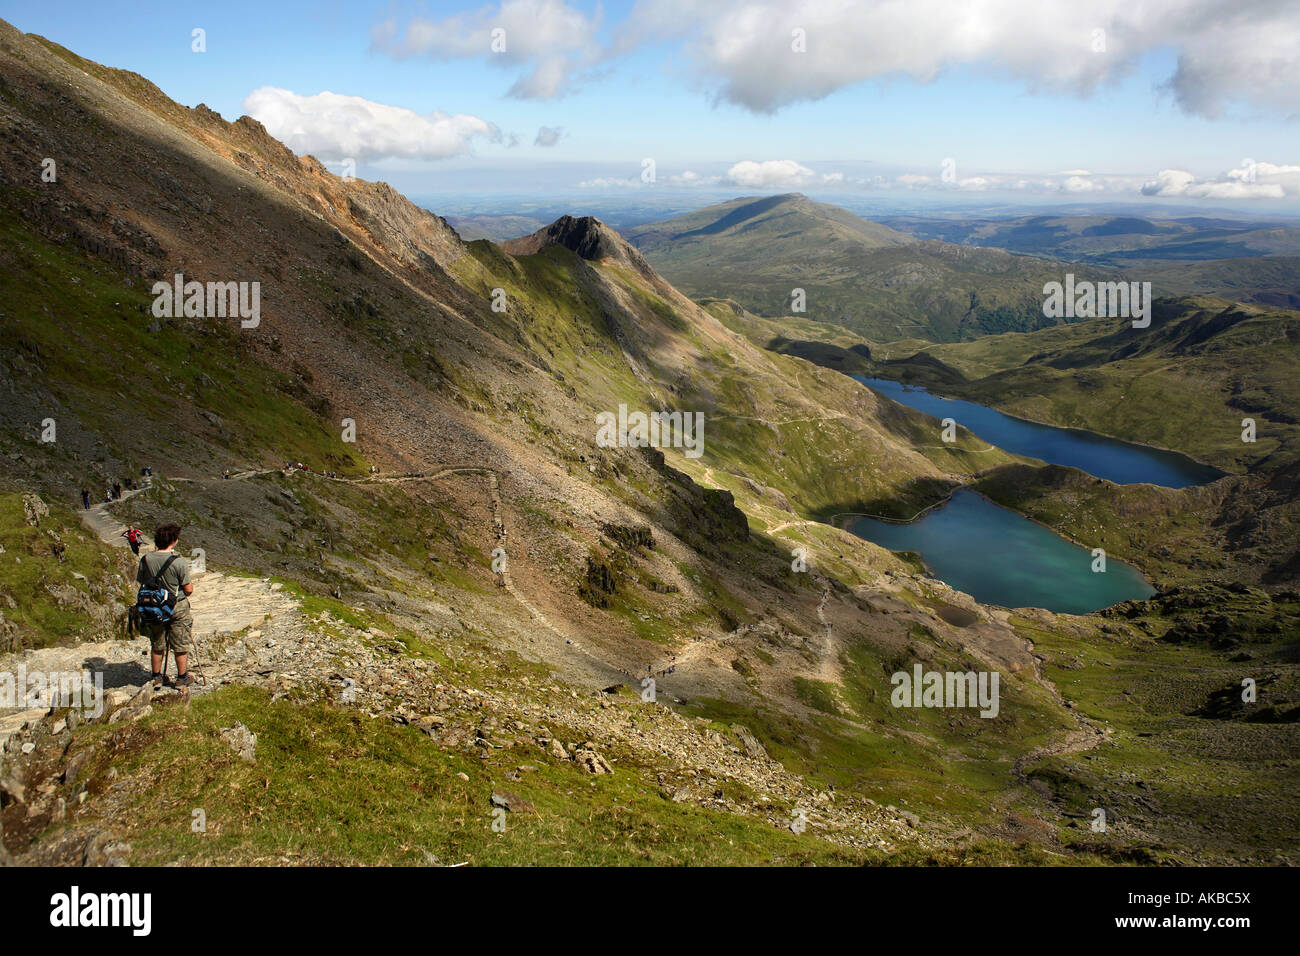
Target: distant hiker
226 474
163 608
108 495
117 489
133 536
85 498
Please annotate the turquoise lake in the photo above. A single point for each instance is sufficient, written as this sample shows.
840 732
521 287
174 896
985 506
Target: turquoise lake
998 556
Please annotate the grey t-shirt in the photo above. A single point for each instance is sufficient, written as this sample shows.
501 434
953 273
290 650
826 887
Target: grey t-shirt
174 578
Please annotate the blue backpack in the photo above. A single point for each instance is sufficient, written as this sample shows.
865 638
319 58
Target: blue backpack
155 603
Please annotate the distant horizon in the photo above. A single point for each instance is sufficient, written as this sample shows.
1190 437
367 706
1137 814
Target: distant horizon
1052 102
869 206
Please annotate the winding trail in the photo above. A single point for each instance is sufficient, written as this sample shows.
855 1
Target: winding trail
494 478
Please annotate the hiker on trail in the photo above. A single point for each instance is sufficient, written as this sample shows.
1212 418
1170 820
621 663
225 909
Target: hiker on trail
117 489
168 569
226 474
133 536
85 499
108 495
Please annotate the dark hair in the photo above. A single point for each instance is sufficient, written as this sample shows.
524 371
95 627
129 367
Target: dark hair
166 536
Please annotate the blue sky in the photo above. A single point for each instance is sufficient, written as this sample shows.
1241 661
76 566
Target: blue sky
989 112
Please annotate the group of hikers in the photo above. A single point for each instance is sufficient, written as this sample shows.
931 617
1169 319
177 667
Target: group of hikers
114 491
299 466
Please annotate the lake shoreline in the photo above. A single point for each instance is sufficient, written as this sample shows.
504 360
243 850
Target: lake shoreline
1146 576
931 571
1069 428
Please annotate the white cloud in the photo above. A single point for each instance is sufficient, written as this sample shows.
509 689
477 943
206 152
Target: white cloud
332 126
1227 50
1072 181
1080 184
1251 180
546 41
548 135
772 172
690 178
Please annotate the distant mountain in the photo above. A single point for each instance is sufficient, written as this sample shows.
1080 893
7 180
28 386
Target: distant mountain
1112 241
862 275
495 228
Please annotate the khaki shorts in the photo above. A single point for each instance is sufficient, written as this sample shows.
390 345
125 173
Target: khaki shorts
176 635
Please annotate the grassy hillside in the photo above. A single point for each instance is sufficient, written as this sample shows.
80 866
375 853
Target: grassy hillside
1185 383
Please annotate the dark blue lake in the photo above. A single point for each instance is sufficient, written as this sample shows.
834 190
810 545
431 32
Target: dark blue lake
1122 462
998 556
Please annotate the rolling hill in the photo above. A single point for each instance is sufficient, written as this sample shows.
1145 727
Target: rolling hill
1194 255
866 277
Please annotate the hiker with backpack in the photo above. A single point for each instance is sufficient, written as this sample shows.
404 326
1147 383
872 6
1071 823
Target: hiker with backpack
162 607
133 536
85 499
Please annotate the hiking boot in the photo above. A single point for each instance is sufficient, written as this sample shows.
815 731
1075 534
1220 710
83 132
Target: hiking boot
158 679
185 680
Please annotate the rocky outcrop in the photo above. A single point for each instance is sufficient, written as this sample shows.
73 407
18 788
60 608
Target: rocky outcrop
588 237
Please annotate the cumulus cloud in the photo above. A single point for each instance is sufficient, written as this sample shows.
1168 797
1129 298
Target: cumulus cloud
777 172
1251 180
772 172
333 126
548 135
547 42
1080 184
767 54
